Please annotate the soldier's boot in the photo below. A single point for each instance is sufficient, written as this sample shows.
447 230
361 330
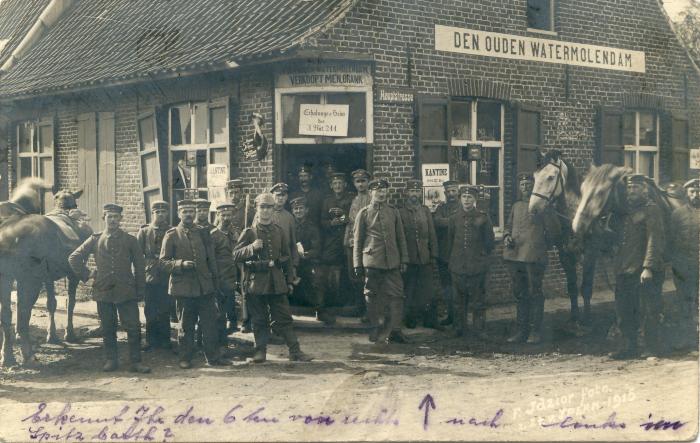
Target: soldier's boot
111 354
537 312
260 355
295 353
479 320
110 366
630 350
519 337
373 319
430 318
135 364
324 316
395 316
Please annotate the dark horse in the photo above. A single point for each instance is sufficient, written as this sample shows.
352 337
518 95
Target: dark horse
33 252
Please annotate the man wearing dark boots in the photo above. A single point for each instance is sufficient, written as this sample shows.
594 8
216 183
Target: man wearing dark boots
639 270
116 287
525 255
380 254
264 251
470 242
441 218
421 242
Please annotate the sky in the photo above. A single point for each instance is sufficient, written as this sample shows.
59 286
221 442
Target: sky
675 7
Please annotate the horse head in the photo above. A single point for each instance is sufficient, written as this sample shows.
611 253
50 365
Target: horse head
554 178
602 191
67 200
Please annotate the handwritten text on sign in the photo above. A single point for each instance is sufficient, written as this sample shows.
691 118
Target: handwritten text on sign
492 44
328 120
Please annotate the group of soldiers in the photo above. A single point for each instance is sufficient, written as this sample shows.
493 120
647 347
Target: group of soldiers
399 255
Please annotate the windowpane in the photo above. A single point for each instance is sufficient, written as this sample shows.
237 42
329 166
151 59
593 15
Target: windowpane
200 123
461 113
150 170
290 111
488 121
630 160
539 14
647 129
612 133
46 169
147 137
646 164
217 125
25 167
629 125
434 154
45 138
24 141
218 156
180 126
357 120
202 168
433 122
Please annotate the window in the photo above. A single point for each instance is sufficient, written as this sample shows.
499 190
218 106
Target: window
359 121
680 150
198 137
540 15
450 129
35 148
640 137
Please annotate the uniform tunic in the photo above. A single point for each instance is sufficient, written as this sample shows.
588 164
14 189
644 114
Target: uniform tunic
683 241
359 202
314 203
470 241
150 238
310 238
223 242
421 243
285 220
157 302
379 239
528 234
189 244
333 235
441 220
642 243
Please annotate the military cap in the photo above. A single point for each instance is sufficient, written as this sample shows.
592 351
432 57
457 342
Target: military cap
265 199
279 188
305 168
360 173
693 183
160 204
449 183
299 201
202 203
414 184
111 207
236 183
338 176
186 203
638 179
224 206
525 176
675 190
468 189
379 183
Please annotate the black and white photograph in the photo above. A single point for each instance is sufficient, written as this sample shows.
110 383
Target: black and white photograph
349 220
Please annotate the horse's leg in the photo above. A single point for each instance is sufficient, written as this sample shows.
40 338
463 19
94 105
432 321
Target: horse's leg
27 294
587 276
51 336
72 289
568 264
7 333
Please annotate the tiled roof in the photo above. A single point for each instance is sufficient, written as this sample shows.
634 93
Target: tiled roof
16 17
101 41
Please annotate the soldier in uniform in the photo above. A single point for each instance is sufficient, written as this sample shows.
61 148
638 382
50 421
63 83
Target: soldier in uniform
202 215
191 262
380 255
525 255
470 241
421 242
264 251
224 237
639 269
158 303
440 218
334 217
243 214
360 179
309 237
285 220
116 288
314 197
685 222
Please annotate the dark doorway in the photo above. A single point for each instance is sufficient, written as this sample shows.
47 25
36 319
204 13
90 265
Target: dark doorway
344 158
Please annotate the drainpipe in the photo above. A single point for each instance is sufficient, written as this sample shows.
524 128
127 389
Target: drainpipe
46 20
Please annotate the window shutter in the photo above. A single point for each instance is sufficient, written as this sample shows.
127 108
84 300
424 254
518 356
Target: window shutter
107 174
529 138
149 156
46 166
609 147
433 131
680 145
87 167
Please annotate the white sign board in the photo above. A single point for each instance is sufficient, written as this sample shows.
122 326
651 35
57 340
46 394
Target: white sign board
517 47
695 158
435 174
326 120
217 176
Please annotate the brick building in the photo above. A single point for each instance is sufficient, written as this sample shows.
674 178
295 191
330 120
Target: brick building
137 101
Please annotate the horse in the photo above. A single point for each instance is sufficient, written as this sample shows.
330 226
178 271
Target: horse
557 184
33 252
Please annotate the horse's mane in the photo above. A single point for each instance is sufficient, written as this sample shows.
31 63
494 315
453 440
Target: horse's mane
28 194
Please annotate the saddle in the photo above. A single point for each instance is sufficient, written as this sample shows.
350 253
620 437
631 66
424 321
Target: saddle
72 232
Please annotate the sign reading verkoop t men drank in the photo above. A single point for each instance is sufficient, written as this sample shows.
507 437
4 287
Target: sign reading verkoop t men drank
492 44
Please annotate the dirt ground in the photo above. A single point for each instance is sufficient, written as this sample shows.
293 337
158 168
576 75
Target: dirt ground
357 391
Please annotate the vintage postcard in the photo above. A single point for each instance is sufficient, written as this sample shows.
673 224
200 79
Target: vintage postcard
349 220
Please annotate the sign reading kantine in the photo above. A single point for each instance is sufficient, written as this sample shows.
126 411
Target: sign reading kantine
492 44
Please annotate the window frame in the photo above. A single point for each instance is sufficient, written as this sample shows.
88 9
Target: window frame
680 150
552 15
322 91
637 148
35 155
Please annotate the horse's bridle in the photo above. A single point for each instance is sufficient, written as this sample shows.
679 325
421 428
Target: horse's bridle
560 179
